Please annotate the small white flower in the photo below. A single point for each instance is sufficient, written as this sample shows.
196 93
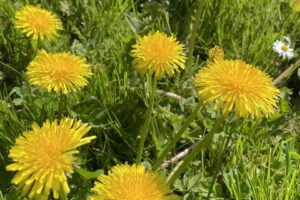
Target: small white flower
283 48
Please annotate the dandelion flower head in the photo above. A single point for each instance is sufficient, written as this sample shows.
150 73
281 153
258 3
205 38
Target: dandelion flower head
43 156
215 54
125 182
158 54
235 85
61 72
283 48
37 22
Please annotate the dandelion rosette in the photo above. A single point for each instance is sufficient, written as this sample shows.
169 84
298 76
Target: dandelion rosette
37 23
61 72
158 54
125 182
42 157
233 84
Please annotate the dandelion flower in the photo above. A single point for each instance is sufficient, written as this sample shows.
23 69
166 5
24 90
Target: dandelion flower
158 54
45 155
125 182
283 48
215 54
233 84
37 23
61 72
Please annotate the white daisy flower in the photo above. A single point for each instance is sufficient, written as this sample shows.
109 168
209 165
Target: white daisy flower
283 48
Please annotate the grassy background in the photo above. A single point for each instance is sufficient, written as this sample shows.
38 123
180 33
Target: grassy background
261 159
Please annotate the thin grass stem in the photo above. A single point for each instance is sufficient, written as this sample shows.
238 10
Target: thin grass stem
193 36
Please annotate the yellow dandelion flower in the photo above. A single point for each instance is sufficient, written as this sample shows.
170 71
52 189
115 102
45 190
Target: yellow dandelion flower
42 157
37 23
158 54
126 182
233 84
215 54
61 72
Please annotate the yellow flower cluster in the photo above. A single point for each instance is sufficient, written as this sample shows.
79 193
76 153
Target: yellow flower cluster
61 72
231 84
44 156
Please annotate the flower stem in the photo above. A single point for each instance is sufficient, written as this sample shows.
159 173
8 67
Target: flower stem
189 158
144 130
133 8
219 164
193 36
34 45
177 137
62 104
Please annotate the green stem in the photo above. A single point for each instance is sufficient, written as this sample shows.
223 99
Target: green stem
177 137
62 104
193 36
144 129
34 45
219 164
133 8
179 169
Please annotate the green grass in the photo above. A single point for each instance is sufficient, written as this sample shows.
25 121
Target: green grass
261 160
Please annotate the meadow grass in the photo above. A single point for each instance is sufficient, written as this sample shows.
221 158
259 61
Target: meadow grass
246 159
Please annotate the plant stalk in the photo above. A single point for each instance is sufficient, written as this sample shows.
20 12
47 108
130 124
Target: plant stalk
62 104
133 8
193 37
144 131
219 165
